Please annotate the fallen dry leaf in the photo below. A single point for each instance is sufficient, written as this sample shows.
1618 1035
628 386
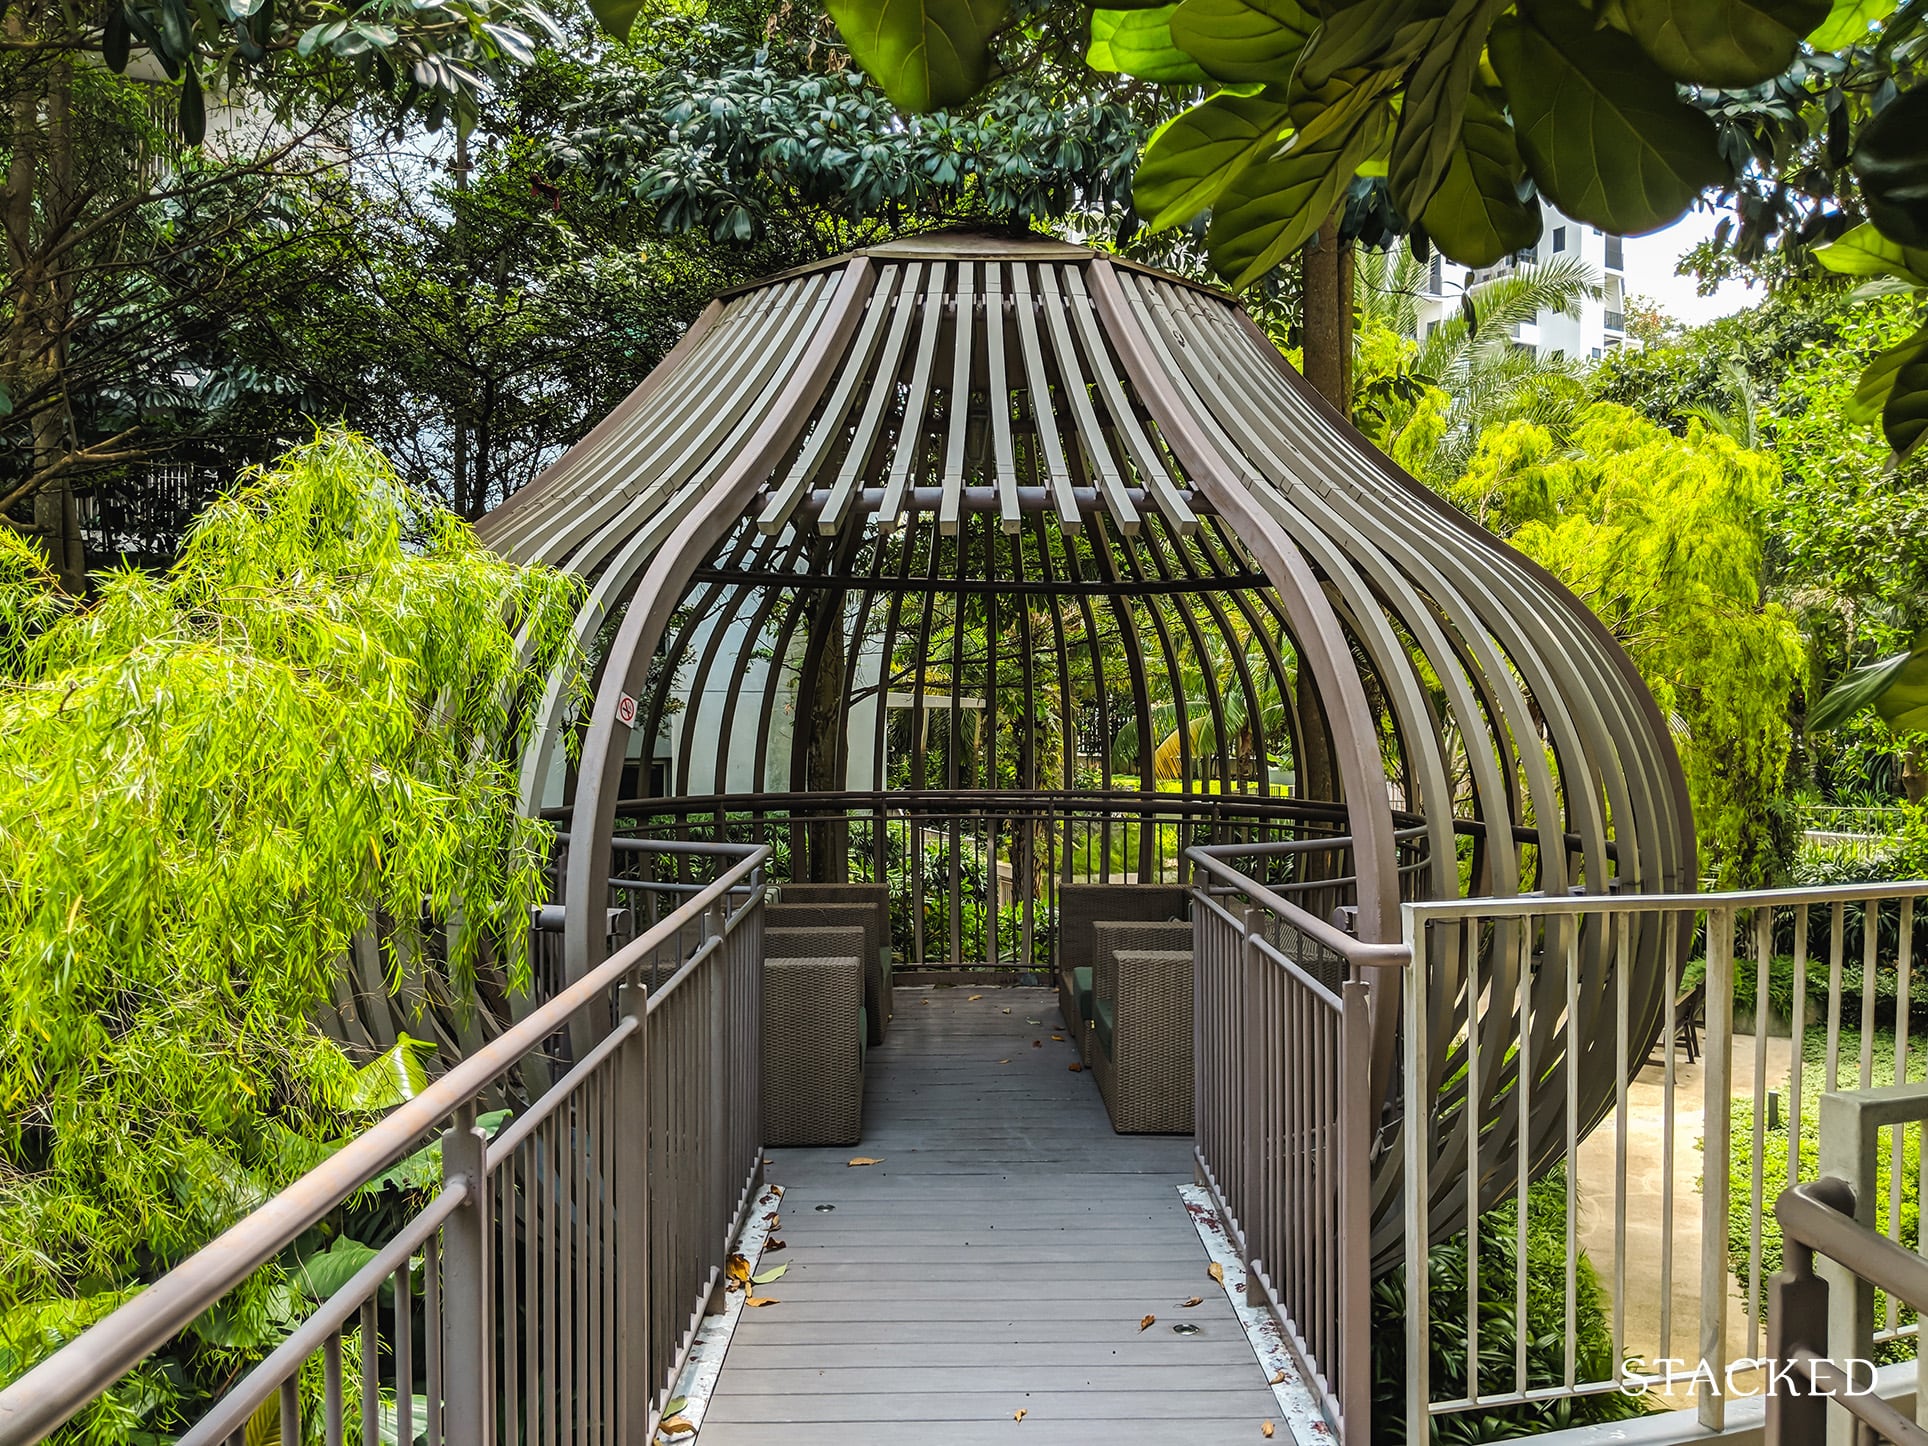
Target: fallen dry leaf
1019 1414
1007 1011
866 1160
974 998
775 1272
677 1426
1004 1061
1075 1066
1037 1044
1195 1300
1148 1322
770 1245
737 1268
1216 1271
1278 1378
1059 1038
761 1300
1267 1429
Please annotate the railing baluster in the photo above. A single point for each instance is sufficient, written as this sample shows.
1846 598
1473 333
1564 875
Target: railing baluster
1716 1126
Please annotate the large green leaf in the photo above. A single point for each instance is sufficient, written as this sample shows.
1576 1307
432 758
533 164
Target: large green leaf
1237 41
924 53
1604 133
1139 43
1729 43
326 1271
1864 251
1904 418
1276 204
1385 34
1435 104
1891 163
1865 687
1476 215
1850 21
1192 157
391 1077
1877 382
617 17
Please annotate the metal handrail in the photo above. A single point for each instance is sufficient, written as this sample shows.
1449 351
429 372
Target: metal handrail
1818 1217
58 1388
1354 951
1522 905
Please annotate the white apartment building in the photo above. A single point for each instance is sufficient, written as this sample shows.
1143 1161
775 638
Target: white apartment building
1588 333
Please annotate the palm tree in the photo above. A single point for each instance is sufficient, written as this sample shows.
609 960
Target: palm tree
1471 356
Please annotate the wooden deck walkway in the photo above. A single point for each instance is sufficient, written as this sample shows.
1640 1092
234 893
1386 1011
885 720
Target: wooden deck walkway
999 1259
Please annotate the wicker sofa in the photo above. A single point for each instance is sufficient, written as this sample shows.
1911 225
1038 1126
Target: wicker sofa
1080 908
866 914
1141 1050
813 1036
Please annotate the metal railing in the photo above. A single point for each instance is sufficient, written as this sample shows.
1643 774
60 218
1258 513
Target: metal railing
1814 1360
1283 1131
551 1288
975 874
1680 1282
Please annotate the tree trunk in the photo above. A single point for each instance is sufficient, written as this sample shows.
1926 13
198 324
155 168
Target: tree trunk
1326 317
816 745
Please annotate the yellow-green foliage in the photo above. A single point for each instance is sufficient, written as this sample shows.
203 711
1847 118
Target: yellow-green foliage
1661 536
209 781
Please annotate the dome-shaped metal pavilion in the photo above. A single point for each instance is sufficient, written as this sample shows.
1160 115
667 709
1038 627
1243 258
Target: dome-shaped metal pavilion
1022 541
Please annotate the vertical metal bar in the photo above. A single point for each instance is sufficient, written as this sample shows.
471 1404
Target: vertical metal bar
1473 1077
1757 1147
1670 949
432 1322
405 1355
1418 1143
1798 1051
291 1411
1626 1065
1575 1047
631 1362
467 1335
1870 913
371 1377
1523 1071
331 1400
1835 950
1716 1123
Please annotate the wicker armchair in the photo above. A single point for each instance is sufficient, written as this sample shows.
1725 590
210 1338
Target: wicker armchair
811 906
1080 907
1142 1040
813 1049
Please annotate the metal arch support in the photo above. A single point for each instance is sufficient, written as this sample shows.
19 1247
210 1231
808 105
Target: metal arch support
587 881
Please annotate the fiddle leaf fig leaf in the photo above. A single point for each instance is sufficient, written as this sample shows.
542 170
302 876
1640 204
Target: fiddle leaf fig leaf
1727 43
1428 137
1604 134
1276 204
1871 393
925 54
1864 251
1849 21
1476 216
1904 418
1239 41
1192 157
1891 163
1378 33
1139 43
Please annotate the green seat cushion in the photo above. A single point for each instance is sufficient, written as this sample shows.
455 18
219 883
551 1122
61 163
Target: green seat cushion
1081 982
1107 1010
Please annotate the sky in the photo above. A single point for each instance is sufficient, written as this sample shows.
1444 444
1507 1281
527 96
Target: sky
1650 271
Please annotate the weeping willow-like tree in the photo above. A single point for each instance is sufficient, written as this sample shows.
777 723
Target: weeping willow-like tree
210 782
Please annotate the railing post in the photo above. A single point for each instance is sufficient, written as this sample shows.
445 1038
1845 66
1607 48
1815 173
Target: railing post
1241 1191
1355 1219
1849 1142
467 1332
635 1390
1796 1320
1716 1121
